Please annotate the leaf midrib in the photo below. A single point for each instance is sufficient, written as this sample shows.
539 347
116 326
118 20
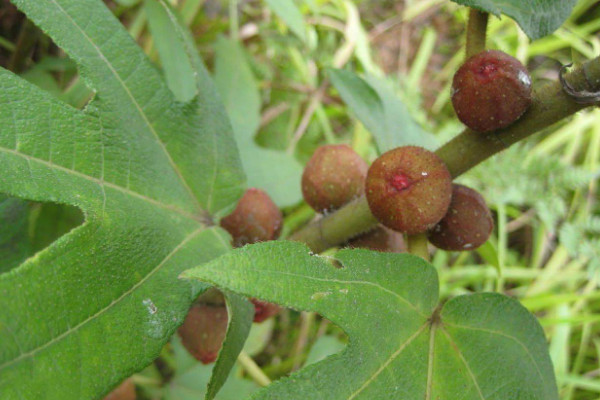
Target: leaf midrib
136 105
102 183
357 282
56 339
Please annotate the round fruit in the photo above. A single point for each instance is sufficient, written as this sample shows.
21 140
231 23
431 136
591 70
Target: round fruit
467 225
333 176
203 331
264 310
125 391
491 91
380 239
255 219
409 189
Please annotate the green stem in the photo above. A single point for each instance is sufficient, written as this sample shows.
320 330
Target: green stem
349 221
417 245
550 105
253 369
476 32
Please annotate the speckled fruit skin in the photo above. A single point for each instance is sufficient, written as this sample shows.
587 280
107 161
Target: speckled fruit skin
203 331
490 91
333 176
380 239
264 310
409 189
255 219
125 391
467 225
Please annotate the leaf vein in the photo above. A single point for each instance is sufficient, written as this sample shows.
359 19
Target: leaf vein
99 182
388 361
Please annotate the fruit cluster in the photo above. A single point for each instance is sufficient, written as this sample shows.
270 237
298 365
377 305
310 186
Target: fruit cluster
409 190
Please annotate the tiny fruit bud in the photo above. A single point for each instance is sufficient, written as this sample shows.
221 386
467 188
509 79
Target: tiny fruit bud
380 239
333 176
255 219
203 331
490 91
467 225
264 310
125 391
409 189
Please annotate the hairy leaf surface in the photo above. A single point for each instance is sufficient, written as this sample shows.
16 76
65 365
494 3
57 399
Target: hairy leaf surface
403 344
149 174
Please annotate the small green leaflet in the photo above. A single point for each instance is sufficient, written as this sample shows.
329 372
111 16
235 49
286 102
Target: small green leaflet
537 18
150 175
289 12
381 111
402 343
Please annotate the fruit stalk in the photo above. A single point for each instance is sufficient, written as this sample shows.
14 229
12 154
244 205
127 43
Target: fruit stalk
476 32
550 105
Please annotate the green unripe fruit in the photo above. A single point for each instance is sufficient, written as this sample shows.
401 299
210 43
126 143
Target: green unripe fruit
255 219
467 225
490 91
409 189
333 176
380 239
204 330
125 391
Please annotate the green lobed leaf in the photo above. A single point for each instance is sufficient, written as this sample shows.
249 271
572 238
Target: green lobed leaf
149 174
273 171
402 343
537 18
381 111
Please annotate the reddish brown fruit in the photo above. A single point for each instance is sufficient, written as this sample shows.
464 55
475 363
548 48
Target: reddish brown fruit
491 91
409 189
255 219
333 176
467 225
264 310
380 239
203 331
125 391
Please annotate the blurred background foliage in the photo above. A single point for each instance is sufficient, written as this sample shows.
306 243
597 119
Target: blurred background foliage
296 74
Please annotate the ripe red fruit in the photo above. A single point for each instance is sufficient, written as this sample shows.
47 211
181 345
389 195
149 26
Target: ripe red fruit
380 239
204 330
409 189
125 391
467 225
333 176
490 91
264 310
255 219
